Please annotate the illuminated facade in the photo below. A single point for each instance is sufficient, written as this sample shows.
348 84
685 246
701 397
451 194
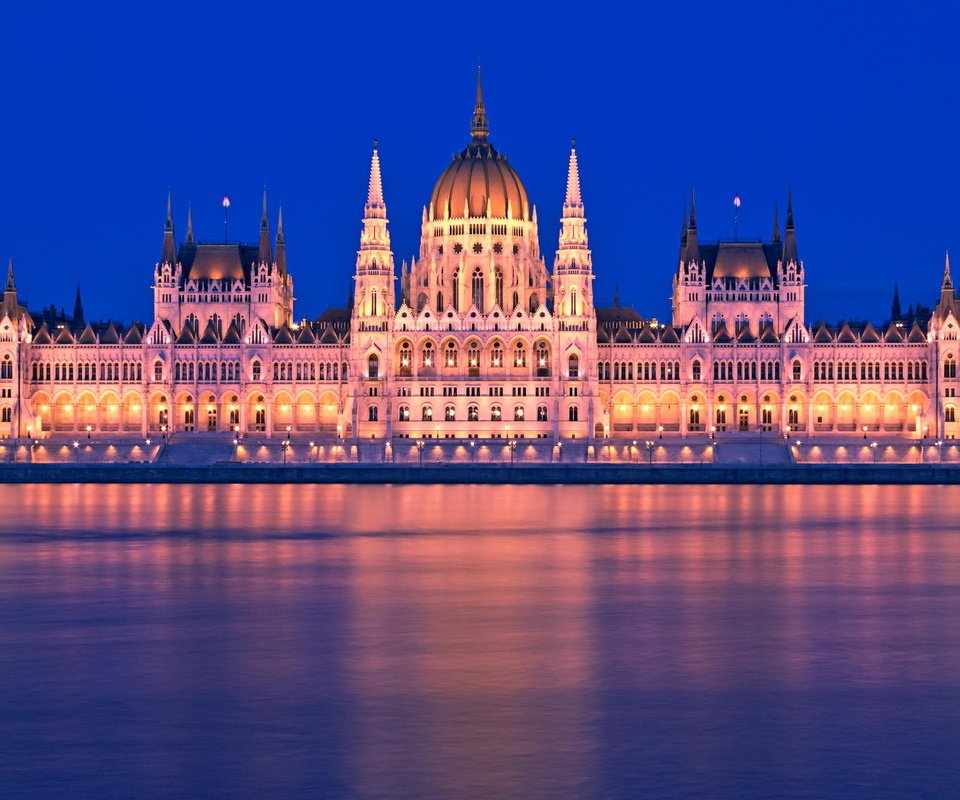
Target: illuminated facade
478 339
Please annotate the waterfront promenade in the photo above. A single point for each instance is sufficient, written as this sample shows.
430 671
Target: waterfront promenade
196 458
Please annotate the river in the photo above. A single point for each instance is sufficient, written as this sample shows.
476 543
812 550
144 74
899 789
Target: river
479 641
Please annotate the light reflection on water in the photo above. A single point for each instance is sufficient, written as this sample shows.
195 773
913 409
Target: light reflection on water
479 641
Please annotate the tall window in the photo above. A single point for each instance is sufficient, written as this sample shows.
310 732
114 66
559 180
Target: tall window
373 414
573 302
496 414
476 289
573 366
696 370
450 354
373 308
427 354
519 356
498 286
404 414
439 302
950 367
518 414
427 414
456 290
542 359
6 368
406 359
373 366
496 355
541 413
796 370
573 414
473 414
158 370
255 371
449 413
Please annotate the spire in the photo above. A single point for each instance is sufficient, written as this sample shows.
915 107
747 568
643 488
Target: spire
189 239
895 311
573 178
375 188
691 246
790 234
281 244
265 251
947 282
78 309
11 287
776 224
168 253
480 126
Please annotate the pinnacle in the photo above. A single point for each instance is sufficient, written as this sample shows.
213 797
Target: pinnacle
375 187
573 178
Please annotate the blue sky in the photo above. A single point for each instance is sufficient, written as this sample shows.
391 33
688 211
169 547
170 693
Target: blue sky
854 105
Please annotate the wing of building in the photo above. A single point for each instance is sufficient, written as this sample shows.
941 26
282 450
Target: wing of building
476 338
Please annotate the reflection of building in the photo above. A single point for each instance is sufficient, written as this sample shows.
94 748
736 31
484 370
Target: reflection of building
478 339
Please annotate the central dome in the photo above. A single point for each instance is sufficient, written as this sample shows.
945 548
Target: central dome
480 177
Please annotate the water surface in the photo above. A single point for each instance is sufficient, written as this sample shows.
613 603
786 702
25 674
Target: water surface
479 641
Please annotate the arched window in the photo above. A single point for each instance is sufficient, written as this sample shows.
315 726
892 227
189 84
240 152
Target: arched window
541 413
374 309
518 413
404 414
950 367
373 366
6 368
5 414
542 358
796 369
473 413
496 354
473 359
516 300
427 354
455 298
476 289
255 371
573 366
696 369
573 302
450 354
496 413
573 414
158 370
439 302
498 286
449 412
519 355
373 414
427 414
406 359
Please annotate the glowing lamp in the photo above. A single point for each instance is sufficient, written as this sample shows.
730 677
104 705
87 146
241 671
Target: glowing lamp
225 202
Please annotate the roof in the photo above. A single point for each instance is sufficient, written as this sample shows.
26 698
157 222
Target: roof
475 177
741 259
218 261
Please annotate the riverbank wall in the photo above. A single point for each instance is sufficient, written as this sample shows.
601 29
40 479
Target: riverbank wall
590 473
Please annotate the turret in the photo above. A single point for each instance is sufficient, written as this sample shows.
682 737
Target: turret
78 320
374 275
168 252
190 240
264 251
790 235
281 245
573 266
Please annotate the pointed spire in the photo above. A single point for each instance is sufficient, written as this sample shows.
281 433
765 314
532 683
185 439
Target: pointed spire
691 245
790 234
189 239
281 244
776 224
480 125
168 252
265 250
947 281
375 188
78 309
11 286
573 178
895 311
616 295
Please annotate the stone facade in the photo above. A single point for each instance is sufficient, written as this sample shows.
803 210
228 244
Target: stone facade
477 339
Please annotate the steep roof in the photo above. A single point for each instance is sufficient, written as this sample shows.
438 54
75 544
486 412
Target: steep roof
741 259
218 261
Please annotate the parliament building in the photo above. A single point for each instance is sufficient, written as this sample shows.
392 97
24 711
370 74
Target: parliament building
476 338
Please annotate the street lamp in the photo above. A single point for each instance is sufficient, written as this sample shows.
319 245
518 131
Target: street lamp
420 450
873 447
76 451
313 447
660 429
473 451
939 451
633 450
864 431
649 445
559 452
798 443
163 432
513 447
89 428
284 445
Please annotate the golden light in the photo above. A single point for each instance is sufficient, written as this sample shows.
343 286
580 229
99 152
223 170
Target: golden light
889 407
284 407
210 406
844 407
405 362
914 408
496 362
329 408
868 408
259 406
449 362
543 361
646 408
821 408
44 408
89 408
426 361
68 407
135 407
113 408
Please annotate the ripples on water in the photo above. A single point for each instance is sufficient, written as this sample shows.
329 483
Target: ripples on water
479 641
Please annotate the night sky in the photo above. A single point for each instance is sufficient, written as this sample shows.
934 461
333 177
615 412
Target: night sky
854 105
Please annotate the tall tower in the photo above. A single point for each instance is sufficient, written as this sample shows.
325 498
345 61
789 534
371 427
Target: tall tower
573 266
373 305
